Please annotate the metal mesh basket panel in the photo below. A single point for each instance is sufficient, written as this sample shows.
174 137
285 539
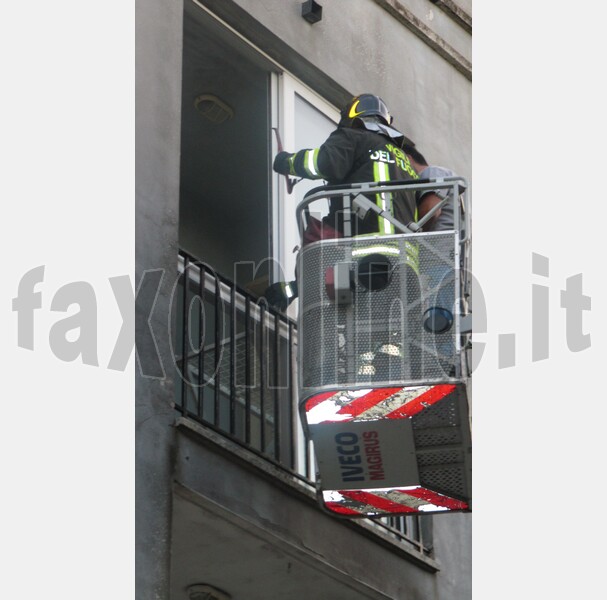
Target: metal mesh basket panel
442 442
449 480
379 338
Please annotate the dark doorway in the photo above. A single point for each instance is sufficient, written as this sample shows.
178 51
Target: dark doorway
224 213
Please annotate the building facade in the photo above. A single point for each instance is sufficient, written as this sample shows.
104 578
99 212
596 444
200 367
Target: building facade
225 479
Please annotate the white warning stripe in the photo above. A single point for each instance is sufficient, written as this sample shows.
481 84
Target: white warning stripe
390 404
363 404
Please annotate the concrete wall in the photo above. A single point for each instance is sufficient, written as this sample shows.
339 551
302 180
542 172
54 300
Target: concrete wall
330 559
361 47
158 99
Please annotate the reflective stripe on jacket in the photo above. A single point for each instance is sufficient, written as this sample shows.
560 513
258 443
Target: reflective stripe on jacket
355 156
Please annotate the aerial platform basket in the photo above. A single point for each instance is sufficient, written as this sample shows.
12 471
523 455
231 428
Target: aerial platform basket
382 331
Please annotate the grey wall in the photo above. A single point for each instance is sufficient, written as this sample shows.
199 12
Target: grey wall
452 549
362 48
330 559
158 97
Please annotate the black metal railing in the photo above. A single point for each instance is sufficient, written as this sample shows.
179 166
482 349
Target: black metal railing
236 364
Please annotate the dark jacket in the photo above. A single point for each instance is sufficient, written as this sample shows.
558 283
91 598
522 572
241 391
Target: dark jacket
354 156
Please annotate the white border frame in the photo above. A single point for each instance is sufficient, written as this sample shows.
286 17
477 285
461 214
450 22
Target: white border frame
284 225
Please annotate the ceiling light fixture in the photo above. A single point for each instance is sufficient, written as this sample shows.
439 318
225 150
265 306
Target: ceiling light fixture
213 108
203 591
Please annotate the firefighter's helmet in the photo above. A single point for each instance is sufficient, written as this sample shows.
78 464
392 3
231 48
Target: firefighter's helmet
365 105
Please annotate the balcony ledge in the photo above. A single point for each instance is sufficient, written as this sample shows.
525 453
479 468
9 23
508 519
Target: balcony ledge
298 487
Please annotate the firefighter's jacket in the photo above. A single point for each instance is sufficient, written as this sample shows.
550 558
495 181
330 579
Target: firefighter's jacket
355 156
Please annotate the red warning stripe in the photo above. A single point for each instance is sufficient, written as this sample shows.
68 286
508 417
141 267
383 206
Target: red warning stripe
367 503
377 501
358 406
364 403
433 395
340 508
436 498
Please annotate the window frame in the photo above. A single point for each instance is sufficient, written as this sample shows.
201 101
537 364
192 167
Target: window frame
285 87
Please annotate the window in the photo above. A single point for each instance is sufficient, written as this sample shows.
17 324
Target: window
305 120
233 207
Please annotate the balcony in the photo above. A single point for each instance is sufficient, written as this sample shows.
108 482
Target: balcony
236 391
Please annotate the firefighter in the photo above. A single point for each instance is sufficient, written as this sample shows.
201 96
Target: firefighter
364 147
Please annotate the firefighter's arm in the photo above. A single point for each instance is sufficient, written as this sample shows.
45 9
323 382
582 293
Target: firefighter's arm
332 161
281 294
425 205
303 163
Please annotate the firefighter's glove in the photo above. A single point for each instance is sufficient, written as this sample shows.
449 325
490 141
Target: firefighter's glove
282 163
279 295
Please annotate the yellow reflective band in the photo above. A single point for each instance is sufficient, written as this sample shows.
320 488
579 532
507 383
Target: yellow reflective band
310 164
381 172
292 165
411 257
376 250
352 114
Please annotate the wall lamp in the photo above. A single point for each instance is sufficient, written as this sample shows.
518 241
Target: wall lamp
311 11
203 591
213 108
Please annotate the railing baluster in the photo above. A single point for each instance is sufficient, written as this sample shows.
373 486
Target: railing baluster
307 451
247 370
292 400
233 360
262 375
201 340
277 411
217 352
184 337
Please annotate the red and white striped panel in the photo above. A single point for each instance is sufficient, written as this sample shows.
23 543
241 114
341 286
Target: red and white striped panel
373 404
407 500
378 405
